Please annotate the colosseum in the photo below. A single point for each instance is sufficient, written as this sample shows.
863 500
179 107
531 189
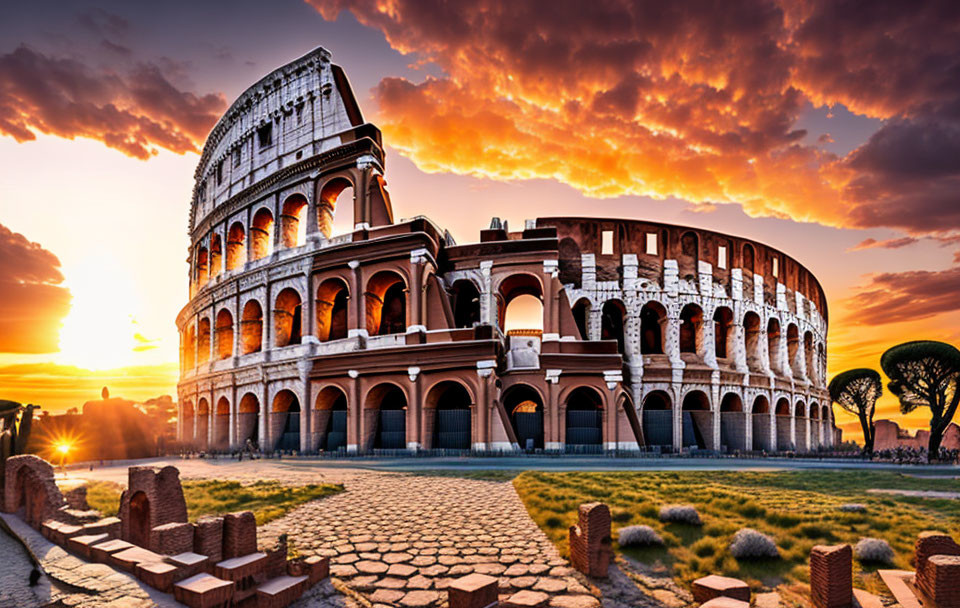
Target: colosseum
319 322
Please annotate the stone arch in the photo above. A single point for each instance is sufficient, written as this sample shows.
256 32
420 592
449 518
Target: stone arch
251 328
203 340
261 233
386 304
200 265
581 316
785 440
30 489
139 518
613 315
697 420
292 226
203 422
723 336
520 295
753 342
691 329
810 357
287 318
773 345
385 417
733 423
335 207
465 297
658 419
801 426
331 413
448 409
524 404
216 254
236 247
221 424
248 413
584 419
224 334
333 294
653 320
760 413
285 420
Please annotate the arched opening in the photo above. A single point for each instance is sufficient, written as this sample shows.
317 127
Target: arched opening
335 208
748 261
203 339
251 328
248 428
761 424
385 417
733 424
815 426
332 296
525 407
285 421
224 333
331 406
773 345
691 329
139 520
520 304
658 420
449 426
190 348
697 421
584 420
810 360
752 341
261 234
203 422
293 228
287 318
723 332
801 426
216 255
793 348
386 304
221 424
236 249
784 437
581 316
611 323
653 318
466 303
689 257
200 266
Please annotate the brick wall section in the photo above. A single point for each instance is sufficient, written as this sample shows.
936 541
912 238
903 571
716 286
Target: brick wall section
942 580
473 591
77 498
590 550
163 491
929 544
239 534
277 558
172 539
831 576
28 482
208 538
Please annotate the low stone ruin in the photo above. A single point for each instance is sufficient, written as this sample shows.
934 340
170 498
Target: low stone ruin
831 576
590 550
212 562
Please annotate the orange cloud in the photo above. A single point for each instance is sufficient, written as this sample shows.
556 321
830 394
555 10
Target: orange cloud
32 304
136 113
690 100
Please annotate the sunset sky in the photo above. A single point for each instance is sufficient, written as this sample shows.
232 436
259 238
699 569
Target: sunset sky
829 129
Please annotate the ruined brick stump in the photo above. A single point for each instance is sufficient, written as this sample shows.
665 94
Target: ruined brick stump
831 576
930 544
590 550
281 591
189 564
709 587
473 591
159 575
29 485
941 581
239 534
247 572
172 538
277 558
204 591
154 497
208 538
318 568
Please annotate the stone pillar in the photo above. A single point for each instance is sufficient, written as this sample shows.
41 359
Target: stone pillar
488 310
739 346
484 403
773 424
358 324
831 576
313 225
552 440
708 348
265 344
211 418
263 419
594 323
748 430
354 413
232 420
793 426
677 412
786 366
415 310
414 410
611 438
551 328
306 412
715 408
671 339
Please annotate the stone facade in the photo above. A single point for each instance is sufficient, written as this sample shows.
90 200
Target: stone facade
318 322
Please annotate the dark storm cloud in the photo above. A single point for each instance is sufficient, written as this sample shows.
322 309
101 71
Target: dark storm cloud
33 303
892 297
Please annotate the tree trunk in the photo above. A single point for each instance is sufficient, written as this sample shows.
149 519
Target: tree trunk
868 434
936 436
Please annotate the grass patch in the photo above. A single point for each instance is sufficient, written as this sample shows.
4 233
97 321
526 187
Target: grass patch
268 500
799 509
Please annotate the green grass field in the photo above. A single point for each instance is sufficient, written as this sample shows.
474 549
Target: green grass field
268 500
799 509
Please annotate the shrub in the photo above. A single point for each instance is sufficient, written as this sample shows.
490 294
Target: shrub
638 536
554 522
875 550
750 544
853 508
680 514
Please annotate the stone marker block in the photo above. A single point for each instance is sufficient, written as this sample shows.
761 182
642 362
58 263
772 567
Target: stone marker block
208 538
172 539
281 591
189 564
831 576
247 572
725 602
81 544
204 591
590 550
239 534
101 552
709 587
473 591
159 575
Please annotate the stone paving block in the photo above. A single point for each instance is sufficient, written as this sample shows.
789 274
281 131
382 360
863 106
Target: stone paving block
159 575
204 591
709 587
526 599
101 552
722 601
81 544
281 591
128 559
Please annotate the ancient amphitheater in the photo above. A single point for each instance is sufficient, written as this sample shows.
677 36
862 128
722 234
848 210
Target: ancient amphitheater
318 321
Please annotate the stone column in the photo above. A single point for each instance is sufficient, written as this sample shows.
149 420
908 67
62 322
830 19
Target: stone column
415 318
708 345
594 323
211 419
232 420
414 410
263 432
715 408
483 407
551 414
358 324
354 413
313 224
306 412
671 339
773 424
748 429
793 427
488 311
551 329
786 366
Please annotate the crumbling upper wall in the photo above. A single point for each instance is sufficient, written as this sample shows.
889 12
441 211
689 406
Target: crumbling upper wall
163 493
29 484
